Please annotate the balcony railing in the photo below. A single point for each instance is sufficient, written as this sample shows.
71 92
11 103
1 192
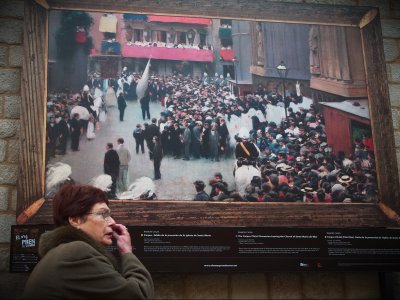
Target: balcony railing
185 20
190 54
227 54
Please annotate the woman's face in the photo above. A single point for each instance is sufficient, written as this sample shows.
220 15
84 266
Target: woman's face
98 224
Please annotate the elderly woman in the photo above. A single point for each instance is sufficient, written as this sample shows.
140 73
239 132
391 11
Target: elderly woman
74 261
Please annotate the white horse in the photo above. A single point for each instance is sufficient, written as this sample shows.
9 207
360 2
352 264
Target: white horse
243 176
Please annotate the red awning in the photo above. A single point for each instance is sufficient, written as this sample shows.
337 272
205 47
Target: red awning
185 20
227 54
168 53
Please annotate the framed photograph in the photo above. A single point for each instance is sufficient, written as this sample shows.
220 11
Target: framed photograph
273 115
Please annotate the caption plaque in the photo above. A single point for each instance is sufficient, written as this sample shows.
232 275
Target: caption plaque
242 249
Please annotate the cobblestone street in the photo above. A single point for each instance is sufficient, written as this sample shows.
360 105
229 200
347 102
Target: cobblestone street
177 175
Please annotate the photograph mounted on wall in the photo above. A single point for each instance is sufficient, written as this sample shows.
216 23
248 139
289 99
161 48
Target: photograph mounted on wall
153 107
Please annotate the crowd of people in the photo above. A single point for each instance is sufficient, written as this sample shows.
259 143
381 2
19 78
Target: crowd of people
294 159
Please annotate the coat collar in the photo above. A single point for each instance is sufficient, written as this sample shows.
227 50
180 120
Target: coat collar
66 234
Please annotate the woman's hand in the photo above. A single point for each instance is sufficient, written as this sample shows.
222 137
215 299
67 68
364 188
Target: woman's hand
123 238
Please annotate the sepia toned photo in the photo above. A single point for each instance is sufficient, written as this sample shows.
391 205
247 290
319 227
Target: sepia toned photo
156 107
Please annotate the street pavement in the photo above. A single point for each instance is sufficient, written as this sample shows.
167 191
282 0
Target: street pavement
177 176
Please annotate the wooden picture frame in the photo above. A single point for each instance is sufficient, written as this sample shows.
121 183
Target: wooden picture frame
33 208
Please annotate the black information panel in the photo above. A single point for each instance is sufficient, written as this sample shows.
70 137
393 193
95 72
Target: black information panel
241 249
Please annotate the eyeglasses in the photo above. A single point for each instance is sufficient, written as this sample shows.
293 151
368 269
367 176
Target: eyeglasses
106 215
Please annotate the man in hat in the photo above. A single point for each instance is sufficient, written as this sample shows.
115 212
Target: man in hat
186 139
145 105
64 133
111 167
76 127
197 139
151 131
245 148
124 158
201 194
221 192
52 132
224 136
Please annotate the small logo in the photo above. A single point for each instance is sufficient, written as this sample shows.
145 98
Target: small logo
304 265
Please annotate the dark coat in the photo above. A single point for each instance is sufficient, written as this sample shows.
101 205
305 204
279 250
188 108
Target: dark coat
63 129
157 153
152 131
121 102
251 148
111 163
145 101
201 196
74 266
138 134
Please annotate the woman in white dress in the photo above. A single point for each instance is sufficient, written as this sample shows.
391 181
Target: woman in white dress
90 135
111 97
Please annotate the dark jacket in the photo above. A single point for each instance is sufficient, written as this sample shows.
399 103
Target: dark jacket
121 102
74 266
157 152
251 148
111 163
201 196
138 134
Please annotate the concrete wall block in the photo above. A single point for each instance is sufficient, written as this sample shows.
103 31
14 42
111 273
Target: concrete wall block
13 151
5 227
394 94
391 49
10 80
168 285
362 285
328 285
398 159
8 174
14 197
338 2
396 119
1 107
12 107
3 55
15 56
4 261
9 128
3 150
249 285
206 286
3 198
285 286
391 28
11 31
395 72
11 8
397 138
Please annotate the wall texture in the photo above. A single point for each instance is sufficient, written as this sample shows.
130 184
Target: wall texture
365 285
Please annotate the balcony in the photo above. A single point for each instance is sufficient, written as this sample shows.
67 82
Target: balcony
189 54
184 20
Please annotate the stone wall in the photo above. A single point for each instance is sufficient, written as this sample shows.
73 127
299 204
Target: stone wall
362 285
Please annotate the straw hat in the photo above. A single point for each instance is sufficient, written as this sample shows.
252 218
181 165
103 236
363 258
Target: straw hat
345 179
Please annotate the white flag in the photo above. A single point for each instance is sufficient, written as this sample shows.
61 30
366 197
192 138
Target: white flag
298 92
143 82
